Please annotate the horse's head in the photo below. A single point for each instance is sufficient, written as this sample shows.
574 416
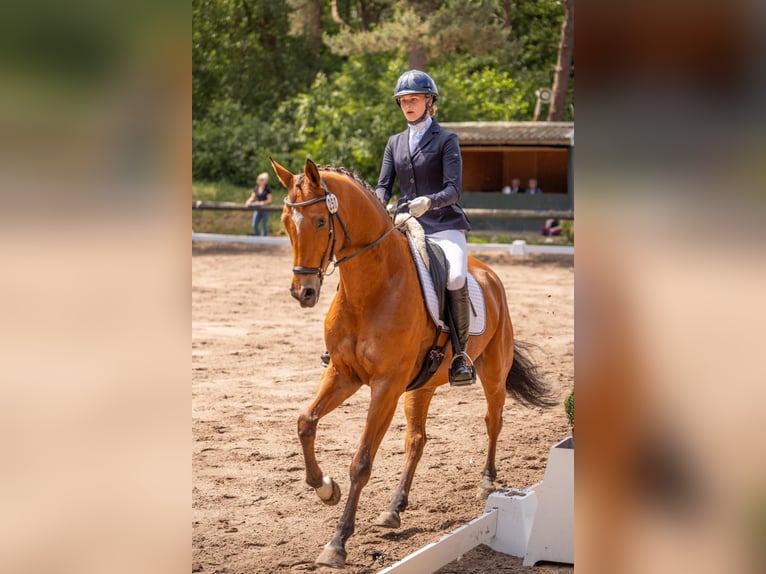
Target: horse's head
307 217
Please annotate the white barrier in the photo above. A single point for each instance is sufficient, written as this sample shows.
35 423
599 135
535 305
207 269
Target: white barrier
534 524
516 248
440 553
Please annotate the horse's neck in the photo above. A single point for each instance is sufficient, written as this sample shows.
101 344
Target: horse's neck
366 222
375 273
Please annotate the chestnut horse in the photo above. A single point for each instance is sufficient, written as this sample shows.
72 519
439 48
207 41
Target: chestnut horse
378 331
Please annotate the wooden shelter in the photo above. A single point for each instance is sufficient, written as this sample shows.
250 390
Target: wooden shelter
496 152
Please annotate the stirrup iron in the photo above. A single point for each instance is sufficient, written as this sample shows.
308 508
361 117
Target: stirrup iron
469 364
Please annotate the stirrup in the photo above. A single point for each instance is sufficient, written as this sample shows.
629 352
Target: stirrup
469 364
325 358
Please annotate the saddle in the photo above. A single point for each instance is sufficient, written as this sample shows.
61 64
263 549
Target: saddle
432 266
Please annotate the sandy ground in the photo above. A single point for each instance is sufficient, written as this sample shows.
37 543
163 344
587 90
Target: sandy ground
255 366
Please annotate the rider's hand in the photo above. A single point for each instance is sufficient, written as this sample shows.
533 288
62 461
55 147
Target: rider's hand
419 206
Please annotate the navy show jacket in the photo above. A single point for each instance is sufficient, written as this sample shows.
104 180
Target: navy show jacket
434 170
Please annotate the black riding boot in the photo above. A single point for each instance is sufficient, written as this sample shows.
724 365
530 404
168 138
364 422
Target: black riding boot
461 370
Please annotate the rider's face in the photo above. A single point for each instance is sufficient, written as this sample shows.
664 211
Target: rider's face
413 106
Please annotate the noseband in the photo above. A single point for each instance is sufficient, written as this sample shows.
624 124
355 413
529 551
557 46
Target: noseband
328 256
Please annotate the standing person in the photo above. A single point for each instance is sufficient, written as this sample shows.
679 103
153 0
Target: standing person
260 196
426 159
533 188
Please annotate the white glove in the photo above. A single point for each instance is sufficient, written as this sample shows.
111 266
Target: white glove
419 206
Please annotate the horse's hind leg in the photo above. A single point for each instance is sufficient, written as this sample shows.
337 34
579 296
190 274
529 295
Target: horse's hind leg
416 405
333 390
492 371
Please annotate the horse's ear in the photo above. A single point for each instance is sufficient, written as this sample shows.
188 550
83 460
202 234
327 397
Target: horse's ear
283 174
312 172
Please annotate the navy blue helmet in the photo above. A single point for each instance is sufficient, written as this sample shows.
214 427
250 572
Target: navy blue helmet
415 82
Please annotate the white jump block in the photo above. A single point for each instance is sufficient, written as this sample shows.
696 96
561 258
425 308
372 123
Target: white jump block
536 523
552 536
519 247
516 514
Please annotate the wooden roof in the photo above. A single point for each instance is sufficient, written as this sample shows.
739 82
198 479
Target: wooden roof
513 133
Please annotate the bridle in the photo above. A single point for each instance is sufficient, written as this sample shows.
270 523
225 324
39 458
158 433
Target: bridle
331 202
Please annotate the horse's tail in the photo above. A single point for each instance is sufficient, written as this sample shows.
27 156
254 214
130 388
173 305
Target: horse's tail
524 383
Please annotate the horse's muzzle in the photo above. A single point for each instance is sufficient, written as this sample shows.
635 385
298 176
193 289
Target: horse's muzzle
306 295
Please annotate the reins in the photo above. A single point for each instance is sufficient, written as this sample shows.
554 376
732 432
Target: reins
328 256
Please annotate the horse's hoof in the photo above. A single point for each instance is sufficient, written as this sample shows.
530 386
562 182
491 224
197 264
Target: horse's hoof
329 492
332 557
486 488
388 519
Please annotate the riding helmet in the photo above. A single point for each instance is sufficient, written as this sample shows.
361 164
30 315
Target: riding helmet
415 82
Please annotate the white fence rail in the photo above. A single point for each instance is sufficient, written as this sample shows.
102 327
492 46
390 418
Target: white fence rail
470 211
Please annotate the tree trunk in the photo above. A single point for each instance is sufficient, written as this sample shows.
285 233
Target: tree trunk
507 16
417 56
563 66
314 17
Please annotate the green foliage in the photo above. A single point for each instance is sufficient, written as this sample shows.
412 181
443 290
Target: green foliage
265 82
535 37
437 30
569 408
242 51
232 145
225 144
567 228
478 94
346 119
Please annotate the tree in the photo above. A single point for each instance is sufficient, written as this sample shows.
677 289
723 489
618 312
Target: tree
425 32
359 14
264 84
563 68
306 20
242 51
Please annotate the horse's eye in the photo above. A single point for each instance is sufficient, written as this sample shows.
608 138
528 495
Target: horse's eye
321 222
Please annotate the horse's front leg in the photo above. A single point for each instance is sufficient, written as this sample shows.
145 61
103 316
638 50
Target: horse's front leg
333 390
416 405
382 406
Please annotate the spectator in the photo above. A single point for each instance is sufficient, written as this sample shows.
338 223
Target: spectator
260 196
533 189
515 187
552 227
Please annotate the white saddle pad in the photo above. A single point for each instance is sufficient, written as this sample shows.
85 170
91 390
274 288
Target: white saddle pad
478 312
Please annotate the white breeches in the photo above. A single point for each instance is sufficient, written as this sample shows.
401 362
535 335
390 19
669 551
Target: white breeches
453 243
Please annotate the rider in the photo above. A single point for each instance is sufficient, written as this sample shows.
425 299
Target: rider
426 159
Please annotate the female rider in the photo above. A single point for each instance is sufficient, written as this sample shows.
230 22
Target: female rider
426 159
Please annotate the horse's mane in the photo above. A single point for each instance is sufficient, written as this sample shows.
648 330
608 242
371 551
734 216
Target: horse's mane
358 181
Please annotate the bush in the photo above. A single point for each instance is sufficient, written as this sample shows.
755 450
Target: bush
569 408
231 145
567 228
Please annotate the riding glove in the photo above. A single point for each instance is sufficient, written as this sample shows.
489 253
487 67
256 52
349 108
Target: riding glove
419 206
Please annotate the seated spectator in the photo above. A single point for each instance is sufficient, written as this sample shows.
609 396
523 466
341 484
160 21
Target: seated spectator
552 227
533 189
515 187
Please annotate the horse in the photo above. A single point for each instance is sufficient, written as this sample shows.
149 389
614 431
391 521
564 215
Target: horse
377 332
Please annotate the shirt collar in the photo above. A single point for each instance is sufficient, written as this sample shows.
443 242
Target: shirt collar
422 126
